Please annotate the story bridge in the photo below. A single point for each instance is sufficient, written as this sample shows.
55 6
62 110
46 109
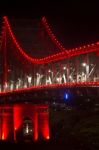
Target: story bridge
44 73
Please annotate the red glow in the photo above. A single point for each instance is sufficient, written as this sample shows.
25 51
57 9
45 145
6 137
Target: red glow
44 125
7 123
35 118
5 128
55 57
17 113
20 111
31 111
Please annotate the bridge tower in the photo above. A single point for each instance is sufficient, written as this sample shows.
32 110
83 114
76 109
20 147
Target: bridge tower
19 121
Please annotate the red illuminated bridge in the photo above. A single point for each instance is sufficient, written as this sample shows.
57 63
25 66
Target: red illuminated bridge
37 70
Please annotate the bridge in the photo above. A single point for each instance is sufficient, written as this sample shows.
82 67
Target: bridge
41 74
58 68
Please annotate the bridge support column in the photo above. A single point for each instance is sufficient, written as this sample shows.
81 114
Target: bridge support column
0 123
43 123
6 123
17 119
35 124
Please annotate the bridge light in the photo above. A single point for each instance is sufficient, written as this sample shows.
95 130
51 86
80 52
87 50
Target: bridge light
0 88
70 77
5 86
58 79
84 64
97 43
49 70
29 79
9 70
64 68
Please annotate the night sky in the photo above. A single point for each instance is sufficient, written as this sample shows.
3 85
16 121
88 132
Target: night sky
75 23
